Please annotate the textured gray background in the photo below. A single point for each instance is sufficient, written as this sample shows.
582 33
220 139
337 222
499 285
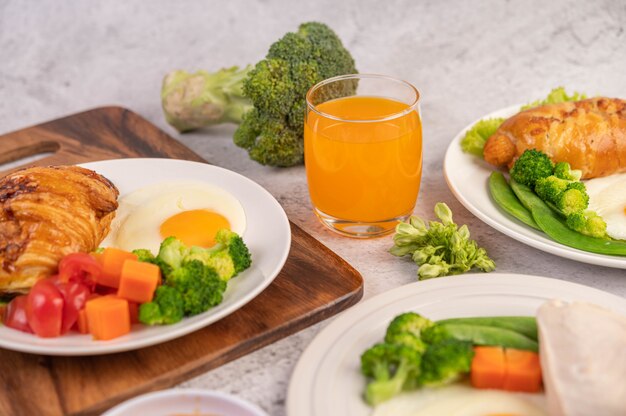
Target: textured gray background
467 58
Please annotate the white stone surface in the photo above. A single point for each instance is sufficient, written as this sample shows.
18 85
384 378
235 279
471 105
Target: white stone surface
467 58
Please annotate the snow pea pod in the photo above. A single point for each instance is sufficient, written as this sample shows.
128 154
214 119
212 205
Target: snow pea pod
479 335
504 197
525 325
553 225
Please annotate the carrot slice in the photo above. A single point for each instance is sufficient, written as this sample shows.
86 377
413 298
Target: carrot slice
112 261
488 368
138 281
523 371
108 317
83 326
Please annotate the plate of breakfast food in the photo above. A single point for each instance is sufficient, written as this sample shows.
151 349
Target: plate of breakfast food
122 254
551 174
468 345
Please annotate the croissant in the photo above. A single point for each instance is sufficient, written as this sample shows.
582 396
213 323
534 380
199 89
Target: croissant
46 213
589 134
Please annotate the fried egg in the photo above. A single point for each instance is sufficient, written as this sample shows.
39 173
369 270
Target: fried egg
190 211
607 197
462 400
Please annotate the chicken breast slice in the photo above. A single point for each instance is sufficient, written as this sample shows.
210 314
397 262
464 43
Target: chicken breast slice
583 359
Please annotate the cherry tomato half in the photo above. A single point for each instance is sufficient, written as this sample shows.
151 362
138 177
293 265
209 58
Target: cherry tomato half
80 267
15 315
44 309
75 296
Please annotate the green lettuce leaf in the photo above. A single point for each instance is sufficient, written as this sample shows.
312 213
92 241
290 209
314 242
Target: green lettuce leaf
475 138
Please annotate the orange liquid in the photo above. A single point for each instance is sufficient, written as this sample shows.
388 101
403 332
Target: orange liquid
363 172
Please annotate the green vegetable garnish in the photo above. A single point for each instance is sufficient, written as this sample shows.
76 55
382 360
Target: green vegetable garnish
480 335
556 96
474 140
476 137
268 99
441 249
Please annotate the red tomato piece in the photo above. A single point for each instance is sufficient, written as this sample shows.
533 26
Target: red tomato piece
44 309
80 267
75 296
15 316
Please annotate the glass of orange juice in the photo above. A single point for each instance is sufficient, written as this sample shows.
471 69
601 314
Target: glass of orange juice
363 152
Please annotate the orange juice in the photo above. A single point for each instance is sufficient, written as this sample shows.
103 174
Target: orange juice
359 167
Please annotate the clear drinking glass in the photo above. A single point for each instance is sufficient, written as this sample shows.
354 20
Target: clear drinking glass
363 152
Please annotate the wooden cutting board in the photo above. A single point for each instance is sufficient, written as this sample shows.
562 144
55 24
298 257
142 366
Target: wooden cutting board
314 285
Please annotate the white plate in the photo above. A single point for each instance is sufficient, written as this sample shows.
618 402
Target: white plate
267 235
186 402
467 177
327 380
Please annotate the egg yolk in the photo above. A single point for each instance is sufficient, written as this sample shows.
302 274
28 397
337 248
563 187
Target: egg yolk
194 228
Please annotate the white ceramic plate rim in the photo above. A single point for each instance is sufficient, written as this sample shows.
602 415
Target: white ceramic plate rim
327 348
457 165
145 399
178 169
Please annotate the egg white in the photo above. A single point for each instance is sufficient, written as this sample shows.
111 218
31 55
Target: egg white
607 197
462 400
141 212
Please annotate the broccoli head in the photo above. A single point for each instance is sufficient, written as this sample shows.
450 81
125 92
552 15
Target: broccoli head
550 188
273 132
571 201
531 166
171 255
410 322
166 307
390 367
144 255
408 339
563 170
445 362
588 223
228 257
199 285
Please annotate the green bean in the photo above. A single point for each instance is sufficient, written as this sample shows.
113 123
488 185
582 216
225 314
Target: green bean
505 198
554 226
525 325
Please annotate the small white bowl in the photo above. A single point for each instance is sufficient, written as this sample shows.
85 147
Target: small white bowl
190 402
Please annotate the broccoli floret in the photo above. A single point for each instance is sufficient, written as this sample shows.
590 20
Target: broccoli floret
267 99
199 285
531 166
588 223
571 201
407 339
563 170
166 307
577 185
550 188
390 368
228 257
410 322
171 255
144 255
445 362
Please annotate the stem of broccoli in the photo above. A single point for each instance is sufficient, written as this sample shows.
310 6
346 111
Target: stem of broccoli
200 99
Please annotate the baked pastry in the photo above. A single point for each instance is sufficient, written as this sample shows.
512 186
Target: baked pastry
46 213
589 134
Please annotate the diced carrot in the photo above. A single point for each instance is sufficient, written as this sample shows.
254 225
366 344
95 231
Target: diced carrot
523 371
138 281
488 368
82 324
133 310
112 261
108 317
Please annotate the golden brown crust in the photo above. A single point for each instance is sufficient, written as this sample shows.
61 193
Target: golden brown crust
46 213
589 134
